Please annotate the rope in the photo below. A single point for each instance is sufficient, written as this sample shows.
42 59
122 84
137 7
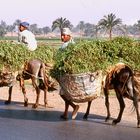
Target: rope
37 77
124 84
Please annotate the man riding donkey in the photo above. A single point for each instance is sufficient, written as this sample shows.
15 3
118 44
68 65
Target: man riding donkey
33 69
27 37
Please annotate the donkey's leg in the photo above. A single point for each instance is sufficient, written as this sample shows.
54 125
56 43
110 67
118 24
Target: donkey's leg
34 83
45 90
22 85
107 103
25 97
45 97
122 106
137 111
10 94
133 96
88 109
135 102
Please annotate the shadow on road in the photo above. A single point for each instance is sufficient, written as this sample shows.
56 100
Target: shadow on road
16 110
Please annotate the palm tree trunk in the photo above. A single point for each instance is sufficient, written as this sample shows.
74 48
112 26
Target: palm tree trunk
110 33
96 32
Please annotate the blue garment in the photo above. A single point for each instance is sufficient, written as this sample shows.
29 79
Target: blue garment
24 24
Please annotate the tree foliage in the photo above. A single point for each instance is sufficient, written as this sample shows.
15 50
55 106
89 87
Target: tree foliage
3 27
108 22
61 23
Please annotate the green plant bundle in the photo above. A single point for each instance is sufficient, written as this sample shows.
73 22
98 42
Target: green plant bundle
90 56
13 55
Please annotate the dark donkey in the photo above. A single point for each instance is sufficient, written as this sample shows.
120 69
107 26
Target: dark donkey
121 79
34 69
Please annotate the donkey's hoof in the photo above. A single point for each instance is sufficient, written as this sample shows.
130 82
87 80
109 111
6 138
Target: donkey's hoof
115 122
85 117
35 106
7 102
26 104
46 105
107 119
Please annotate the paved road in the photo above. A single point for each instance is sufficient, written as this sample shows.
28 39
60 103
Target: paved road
20 123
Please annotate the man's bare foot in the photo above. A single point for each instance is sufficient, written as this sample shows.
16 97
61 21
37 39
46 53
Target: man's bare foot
74 113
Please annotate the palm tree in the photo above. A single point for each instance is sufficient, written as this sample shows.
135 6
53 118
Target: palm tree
138 24
34 28
46 30
3 28
96 29
81 27
17 22
11 28
109 22
61 23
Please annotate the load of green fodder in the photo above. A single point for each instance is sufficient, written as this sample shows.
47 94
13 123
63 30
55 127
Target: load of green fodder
129 51
13 55
90 56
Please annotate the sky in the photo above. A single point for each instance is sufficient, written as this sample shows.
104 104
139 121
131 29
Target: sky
44 12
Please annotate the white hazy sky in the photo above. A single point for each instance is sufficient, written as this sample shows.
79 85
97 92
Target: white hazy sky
44 12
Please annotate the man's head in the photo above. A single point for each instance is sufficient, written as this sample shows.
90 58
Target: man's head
65 34
23 26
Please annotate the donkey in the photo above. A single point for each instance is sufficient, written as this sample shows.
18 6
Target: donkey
121 79
7 79
34 69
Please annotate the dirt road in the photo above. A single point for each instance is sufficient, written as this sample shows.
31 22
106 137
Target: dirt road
24 123
56 103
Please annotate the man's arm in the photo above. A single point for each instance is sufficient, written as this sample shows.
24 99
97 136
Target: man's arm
23 39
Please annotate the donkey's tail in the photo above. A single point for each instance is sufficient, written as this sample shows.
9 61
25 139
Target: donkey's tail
43 83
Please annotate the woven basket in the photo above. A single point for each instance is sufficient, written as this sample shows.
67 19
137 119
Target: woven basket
81 87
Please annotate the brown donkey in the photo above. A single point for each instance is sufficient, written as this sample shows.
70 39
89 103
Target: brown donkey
7 79
34 69
121 79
